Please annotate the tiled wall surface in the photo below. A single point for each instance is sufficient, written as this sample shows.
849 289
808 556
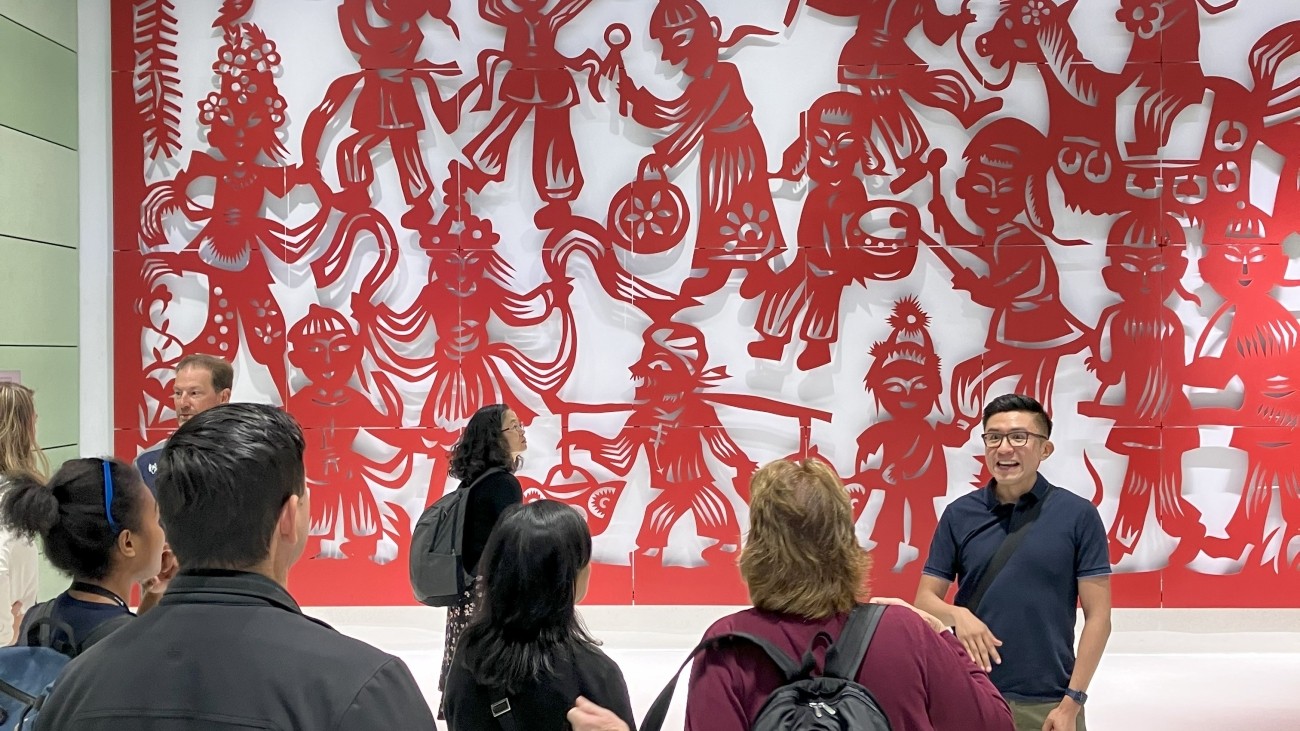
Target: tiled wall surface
39 216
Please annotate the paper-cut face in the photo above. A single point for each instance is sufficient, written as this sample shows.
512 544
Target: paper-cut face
907 387
1240 269
1143 272
669 364
836 144
994 195
685 34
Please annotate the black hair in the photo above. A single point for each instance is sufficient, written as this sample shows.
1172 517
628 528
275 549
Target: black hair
1018 402
223 479
482 446
69 516
527 617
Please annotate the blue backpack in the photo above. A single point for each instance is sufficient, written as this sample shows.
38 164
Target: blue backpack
28 670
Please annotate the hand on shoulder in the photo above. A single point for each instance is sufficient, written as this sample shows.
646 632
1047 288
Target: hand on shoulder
587 716
935 623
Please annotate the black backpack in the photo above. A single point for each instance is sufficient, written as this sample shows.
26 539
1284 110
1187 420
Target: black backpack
832 701
438 575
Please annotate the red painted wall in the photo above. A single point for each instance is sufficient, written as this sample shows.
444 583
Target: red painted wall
681 240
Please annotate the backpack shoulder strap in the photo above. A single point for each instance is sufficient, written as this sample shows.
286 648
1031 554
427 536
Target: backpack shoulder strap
845 656
40 628
654 718
482 474
1003 554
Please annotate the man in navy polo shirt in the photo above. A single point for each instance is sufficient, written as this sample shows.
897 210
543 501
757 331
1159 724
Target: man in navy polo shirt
202 381
1022 632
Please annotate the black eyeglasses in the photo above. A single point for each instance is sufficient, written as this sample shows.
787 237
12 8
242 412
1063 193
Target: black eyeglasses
993 439
517 427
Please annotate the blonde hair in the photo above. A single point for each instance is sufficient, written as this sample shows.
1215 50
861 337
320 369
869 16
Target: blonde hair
802 556
19 451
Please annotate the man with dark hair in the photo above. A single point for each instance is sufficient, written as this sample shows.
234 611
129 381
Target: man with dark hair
1020 626
227 646
202 381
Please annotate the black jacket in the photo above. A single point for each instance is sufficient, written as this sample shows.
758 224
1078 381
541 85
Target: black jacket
231 650
541 706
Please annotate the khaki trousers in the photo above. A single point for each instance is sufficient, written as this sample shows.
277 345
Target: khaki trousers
1032 716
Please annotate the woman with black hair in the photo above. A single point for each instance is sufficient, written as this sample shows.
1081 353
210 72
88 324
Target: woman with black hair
484 460
526 658
98 524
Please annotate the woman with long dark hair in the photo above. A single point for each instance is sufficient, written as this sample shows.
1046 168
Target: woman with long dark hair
98 524
526 654
484 460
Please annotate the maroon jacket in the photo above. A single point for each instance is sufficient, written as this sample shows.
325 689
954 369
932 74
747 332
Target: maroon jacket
923 680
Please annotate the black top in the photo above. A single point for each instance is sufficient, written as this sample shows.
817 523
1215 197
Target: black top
542 706
81 616
227 650
487 501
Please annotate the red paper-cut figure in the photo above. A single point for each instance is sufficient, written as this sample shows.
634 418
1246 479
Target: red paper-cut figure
673 422
738 228
839 240
1262 349
1170 31
905 382
1138 344
346 520
469 284
829 151
386 37
231 250
539 83
1082 100
879 63
1030 329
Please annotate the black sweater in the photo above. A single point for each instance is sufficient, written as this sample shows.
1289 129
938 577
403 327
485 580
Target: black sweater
487 501
540 706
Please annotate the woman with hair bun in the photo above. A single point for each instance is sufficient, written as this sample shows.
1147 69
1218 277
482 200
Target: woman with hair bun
98 524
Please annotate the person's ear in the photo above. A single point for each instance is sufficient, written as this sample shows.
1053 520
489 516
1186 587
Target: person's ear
286 525
126 543
1048 448
225 395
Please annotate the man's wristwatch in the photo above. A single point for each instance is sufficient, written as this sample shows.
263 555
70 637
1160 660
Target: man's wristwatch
1077 696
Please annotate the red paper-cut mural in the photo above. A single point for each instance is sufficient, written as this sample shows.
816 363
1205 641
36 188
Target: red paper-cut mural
386 39
1030 328
901 453
980 197
346 519
237 244
1138 347
672 422
737 228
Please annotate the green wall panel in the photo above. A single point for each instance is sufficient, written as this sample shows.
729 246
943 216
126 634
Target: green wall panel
38 85
53 374
38 187
54 19
38 282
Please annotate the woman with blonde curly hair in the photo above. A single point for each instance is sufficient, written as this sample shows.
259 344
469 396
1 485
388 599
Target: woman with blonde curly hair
19 453
806 572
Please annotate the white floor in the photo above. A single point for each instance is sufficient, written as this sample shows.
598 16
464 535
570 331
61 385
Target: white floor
1181 670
